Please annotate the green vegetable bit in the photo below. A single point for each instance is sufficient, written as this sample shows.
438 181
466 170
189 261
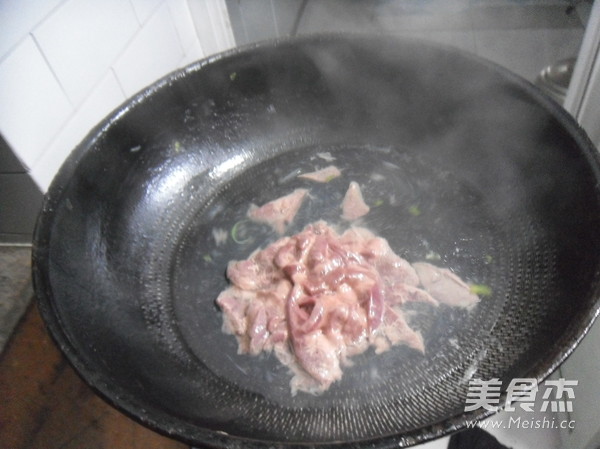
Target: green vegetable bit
378 203
330 178
488 259
233 76
207 258
432 255
480 289
414 210
238 233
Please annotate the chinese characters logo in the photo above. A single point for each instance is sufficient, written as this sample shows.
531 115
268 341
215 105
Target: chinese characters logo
521 393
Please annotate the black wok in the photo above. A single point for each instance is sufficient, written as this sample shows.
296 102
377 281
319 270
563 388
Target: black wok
461 161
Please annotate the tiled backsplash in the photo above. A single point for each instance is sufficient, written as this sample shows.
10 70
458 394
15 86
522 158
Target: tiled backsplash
65 64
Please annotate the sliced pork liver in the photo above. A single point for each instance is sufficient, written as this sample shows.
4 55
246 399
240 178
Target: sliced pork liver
445 286
353 204
280 212
317 298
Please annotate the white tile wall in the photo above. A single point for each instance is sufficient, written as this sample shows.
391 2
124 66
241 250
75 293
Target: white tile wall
64 64
219 19
192 54
154 51
180 13
32 104
18 18
103 99
214 34
82 38
144 8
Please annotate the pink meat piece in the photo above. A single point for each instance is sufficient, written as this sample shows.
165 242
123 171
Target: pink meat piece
445 286
403 293
233 305
317 298
399 277
280 212
323 175
319 357
256 272
397 331
258 333
353 204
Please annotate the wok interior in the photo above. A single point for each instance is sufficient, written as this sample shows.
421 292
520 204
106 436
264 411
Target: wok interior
127 268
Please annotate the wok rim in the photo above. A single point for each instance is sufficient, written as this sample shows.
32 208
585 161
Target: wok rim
165 423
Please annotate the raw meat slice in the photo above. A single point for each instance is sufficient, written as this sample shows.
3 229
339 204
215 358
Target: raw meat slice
445 286
324 175
280 212
326 156
318 298
353 205
396 331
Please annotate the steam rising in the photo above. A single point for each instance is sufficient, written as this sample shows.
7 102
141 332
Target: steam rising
456 110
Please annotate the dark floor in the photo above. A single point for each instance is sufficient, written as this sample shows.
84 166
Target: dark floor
15 287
